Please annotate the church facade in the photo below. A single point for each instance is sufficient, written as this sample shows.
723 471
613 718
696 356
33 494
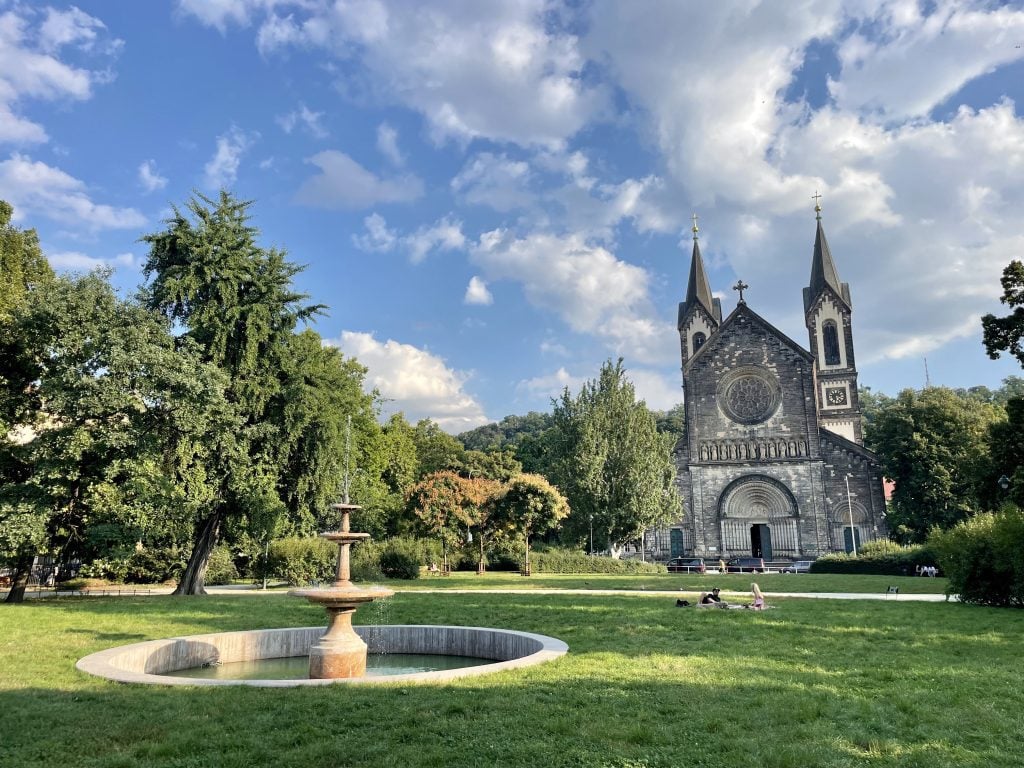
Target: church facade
772 462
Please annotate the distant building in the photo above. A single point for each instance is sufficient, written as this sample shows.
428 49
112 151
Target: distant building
772 462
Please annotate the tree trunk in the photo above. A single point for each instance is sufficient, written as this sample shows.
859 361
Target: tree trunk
19 581
195 572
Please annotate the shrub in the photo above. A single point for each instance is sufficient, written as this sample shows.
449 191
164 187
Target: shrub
399 565
111 568
155 565
881 557
983 559
557 560
221 567
301 561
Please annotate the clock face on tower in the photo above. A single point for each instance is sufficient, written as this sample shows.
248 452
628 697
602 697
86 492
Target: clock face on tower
835 396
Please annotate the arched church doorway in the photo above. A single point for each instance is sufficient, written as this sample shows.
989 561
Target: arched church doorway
761 541
758 517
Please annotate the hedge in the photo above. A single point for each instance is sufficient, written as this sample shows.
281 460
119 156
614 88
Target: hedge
881 557
556 560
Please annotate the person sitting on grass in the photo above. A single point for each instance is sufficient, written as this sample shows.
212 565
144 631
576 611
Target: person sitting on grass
711 598
758 604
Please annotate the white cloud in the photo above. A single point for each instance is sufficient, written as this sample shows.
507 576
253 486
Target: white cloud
477 293
222 168
387 144
918 61
414 381
378 238
149 178
42 190
495 181
550 385
443 235
74 261
221 13
30 67
305 117
659 392
586 285
344 183
507 71
62 28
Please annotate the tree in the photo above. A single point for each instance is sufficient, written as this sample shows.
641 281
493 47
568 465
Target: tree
1006 334
121 423
22 263
494 465
480 492
436 449
528 505
934 445
613 465
443 507
1006 446
236 302
23 269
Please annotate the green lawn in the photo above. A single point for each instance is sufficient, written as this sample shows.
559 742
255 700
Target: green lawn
810 683
769 582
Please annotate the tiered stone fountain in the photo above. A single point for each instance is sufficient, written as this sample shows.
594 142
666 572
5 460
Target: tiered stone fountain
340 652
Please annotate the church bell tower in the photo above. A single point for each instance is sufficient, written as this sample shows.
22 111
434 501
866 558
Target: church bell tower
827 314
699 314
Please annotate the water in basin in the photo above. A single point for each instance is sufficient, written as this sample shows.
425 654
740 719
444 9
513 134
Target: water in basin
297 667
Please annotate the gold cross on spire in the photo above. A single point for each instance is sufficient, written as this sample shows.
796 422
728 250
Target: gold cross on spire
741 287
694 226
817 205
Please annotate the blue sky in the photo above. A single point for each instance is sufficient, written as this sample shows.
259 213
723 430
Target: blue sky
493 198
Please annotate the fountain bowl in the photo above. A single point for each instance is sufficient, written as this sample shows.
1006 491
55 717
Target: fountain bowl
153 662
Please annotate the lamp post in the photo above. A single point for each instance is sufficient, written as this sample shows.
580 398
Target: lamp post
1004 482
849 508
591 535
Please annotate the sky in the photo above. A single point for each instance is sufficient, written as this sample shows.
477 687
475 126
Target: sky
493 198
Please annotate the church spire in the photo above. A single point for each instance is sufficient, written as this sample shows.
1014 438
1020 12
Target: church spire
823 268
698 290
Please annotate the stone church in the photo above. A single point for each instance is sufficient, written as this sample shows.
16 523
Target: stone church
772 463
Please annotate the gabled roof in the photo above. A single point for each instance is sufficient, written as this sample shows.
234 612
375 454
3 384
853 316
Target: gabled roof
698 290
847 444
743 310
824 274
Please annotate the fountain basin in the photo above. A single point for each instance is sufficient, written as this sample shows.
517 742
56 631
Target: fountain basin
151 662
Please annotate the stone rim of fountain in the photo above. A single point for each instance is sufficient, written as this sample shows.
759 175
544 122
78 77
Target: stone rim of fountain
150 662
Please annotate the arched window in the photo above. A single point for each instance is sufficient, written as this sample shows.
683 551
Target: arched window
831 339
698 341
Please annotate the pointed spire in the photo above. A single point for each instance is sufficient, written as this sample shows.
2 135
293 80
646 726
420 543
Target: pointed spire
698 290
823 268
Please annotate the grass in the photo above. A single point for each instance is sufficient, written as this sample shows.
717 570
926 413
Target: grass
739 582
811 683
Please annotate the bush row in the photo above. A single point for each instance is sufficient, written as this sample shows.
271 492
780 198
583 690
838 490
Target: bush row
555 560
983 558
881 557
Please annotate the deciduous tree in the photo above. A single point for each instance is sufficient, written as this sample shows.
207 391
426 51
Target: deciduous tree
1006 334
934 445
527 505
611 462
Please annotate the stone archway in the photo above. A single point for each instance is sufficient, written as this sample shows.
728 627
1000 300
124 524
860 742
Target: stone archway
758 516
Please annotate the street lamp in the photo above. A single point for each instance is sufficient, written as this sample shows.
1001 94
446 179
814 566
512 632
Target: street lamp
591 535
1004 482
